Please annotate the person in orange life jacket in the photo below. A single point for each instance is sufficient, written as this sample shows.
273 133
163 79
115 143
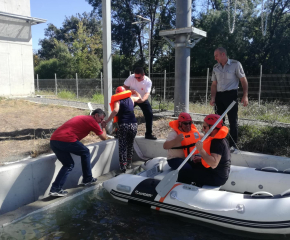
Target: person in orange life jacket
66 140
212 167
181 140
122 104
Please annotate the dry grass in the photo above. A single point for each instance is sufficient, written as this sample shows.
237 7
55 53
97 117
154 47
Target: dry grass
25 127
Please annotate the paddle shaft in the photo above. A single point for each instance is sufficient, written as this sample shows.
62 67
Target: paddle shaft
207 134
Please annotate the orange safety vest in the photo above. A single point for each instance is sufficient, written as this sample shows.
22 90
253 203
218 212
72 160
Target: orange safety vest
222 133
118 97
190 138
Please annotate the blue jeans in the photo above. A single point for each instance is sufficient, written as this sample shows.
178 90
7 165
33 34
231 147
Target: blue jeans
63 152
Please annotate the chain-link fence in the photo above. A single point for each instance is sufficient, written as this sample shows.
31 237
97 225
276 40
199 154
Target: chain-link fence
264 87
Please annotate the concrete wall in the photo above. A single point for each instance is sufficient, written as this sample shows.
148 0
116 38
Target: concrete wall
16 57
27 181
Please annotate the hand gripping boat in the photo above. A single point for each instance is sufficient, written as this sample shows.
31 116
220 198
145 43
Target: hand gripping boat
252 200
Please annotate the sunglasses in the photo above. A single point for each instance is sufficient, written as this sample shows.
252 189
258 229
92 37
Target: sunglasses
187 123
138 77
205 127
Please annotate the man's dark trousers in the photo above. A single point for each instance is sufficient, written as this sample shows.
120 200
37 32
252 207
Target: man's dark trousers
63 152
222 101
147 112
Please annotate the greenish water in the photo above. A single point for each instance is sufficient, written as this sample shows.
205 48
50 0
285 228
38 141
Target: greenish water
96 215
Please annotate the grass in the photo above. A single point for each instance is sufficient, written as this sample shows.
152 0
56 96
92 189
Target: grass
265 139
66 95
268 111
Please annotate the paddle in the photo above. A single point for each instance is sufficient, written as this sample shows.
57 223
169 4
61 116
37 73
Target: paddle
169 180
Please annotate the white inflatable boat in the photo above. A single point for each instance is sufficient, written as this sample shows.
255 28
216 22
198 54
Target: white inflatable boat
253 200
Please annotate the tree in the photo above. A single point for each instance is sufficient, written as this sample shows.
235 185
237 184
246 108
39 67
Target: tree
132 39
75 48
84 47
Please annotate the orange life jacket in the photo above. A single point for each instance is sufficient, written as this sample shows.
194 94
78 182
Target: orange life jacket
190 138
118 97
222 133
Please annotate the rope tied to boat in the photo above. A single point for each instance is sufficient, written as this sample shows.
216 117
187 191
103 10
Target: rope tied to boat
240 208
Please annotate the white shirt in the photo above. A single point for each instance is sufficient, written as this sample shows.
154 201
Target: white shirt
174 153
142 87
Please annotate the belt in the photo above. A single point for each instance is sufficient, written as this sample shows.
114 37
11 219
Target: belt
227 90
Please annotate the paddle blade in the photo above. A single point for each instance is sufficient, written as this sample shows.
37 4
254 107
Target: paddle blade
167 183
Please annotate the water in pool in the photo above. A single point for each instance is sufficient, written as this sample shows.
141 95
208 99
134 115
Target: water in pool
96 215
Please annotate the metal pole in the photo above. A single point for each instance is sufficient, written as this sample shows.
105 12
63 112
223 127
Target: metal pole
37 82
260 84
206 90
102 92
182 58
77 84
149 45
107 58
55 84
164 84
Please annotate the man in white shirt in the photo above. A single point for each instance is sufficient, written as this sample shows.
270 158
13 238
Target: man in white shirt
142 84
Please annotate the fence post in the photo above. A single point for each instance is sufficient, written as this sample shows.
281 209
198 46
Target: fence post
55 84
260 84
77 84
129 73
206 91
102 83
164 84
37 82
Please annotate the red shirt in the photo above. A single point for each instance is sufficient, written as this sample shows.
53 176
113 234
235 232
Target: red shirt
76 129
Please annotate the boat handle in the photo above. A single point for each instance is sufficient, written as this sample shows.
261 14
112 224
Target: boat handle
269 168
287 170
285 192
263 193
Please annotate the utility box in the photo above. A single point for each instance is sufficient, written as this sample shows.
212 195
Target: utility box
16 56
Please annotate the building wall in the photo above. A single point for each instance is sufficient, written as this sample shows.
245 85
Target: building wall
16 57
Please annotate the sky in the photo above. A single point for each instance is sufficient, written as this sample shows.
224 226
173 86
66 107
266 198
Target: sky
54 11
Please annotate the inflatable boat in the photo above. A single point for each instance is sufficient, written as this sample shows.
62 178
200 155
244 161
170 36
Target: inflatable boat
252 200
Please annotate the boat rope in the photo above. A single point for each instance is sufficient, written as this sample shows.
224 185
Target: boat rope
231 29
238 208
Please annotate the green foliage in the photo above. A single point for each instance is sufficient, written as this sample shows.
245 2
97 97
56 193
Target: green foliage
66 94
47 68
76 47
265 139
98 98
85 61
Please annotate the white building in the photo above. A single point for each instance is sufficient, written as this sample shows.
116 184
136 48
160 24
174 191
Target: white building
16 57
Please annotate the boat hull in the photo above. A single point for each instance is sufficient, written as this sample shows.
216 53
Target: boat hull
239 211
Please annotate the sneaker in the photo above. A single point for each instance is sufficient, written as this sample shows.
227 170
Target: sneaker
93 180
151 137
60 193
233 149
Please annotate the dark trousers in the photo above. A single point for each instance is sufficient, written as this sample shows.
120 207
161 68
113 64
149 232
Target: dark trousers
63 152
195 172
222 101
147 112
126 136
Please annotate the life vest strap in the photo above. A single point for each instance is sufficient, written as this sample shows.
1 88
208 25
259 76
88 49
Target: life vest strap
187 147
